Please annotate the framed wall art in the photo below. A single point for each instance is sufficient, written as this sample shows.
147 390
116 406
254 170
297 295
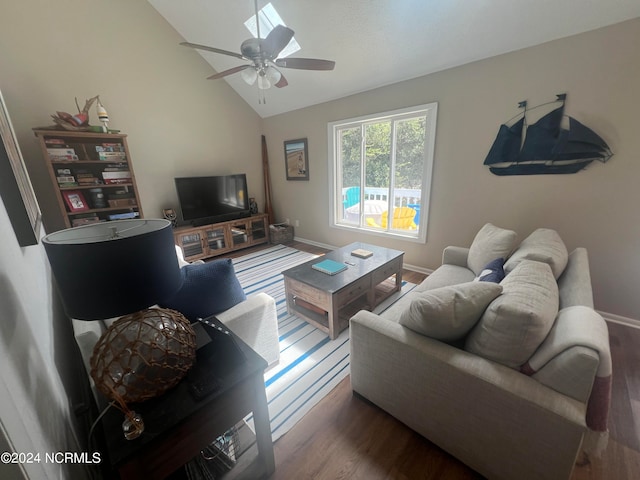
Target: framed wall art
296 159
15 187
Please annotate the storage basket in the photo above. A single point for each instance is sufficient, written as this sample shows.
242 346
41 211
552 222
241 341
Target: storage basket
280 233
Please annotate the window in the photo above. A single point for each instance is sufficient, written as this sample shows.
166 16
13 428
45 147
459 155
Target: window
383 162
269 18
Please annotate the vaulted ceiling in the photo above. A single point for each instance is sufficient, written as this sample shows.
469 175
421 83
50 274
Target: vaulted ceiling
379 42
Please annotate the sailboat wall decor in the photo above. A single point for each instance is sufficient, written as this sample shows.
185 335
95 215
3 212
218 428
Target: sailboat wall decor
546 146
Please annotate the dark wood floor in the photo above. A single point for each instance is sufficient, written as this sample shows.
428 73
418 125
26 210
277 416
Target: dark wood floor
345 436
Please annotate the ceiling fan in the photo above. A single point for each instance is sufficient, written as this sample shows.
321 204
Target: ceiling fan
263 55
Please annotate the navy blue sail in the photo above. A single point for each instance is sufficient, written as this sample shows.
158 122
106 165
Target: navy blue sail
507 144
541 137
548 147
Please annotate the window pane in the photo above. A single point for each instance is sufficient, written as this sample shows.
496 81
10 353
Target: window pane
409 168
384 162
350 155
377 172
378 161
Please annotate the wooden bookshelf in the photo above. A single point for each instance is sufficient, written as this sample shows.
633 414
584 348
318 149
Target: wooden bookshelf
92 175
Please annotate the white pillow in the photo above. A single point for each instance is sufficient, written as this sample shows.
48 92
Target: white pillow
515 324
448 313
490 242
543 245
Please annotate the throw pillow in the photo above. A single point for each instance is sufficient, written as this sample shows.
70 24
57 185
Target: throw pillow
515 324
448 313
207 289
492 272
543 245
489 243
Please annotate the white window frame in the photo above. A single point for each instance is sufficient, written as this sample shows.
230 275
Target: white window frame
431 112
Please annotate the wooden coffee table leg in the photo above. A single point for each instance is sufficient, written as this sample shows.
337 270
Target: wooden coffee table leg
371 297
399 278
334 321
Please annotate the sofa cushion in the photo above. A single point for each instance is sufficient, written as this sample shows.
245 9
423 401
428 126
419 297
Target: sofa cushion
445 275
207 289
448 313
492 271
543 245
515 324
490 242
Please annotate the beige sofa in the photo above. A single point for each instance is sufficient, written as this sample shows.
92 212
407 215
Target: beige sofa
502 419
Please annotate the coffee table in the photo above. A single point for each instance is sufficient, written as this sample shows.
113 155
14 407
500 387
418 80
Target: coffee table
318 297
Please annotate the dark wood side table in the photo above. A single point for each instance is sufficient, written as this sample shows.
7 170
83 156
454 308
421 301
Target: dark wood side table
178 427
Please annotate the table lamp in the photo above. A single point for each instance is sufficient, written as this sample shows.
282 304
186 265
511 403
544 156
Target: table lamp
104 270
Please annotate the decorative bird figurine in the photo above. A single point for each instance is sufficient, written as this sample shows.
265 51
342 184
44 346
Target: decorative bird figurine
80 121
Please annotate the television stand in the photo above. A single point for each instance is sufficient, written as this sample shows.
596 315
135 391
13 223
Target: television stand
215 239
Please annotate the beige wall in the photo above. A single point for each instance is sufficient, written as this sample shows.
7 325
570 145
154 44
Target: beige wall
180 124
596 208
155 91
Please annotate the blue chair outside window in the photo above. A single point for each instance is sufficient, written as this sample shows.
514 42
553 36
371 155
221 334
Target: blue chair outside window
351 197
416 207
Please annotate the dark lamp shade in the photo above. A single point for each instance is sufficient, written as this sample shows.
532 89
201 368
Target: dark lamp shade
114 268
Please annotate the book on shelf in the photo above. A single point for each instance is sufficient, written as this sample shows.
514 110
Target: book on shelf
116 177
64 151
66 180
330 267
61 151
361 253
117 181
85 220
87 179
55 141
123 216
116 174
63 157
116 167
110 152
122 202
110 147
111 156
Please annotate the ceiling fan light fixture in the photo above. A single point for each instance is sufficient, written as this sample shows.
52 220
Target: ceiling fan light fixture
249 75
263 81
273 75
266 55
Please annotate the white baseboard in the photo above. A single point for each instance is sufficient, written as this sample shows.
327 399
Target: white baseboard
317 244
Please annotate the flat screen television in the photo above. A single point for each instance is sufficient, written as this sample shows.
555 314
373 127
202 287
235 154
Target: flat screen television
213 199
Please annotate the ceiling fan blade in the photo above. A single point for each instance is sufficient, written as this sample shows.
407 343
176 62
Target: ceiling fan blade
282 82
231 71
305 63
213 49
277 39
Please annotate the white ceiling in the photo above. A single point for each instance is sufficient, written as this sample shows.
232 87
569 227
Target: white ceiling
379 42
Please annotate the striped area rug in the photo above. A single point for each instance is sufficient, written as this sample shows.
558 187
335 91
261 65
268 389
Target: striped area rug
310 364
